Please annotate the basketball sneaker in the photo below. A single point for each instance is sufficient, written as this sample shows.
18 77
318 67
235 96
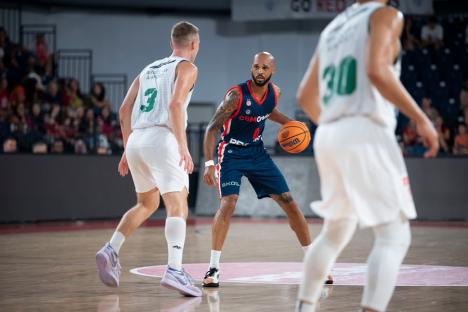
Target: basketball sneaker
180 281
211 278
108 266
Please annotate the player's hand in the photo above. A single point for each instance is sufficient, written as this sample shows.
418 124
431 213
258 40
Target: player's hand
185 159
209 176
123 166
429 137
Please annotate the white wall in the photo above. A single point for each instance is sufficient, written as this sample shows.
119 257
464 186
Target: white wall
125 43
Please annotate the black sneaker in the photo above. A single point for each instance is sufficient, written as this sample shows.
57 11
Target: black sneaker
211 278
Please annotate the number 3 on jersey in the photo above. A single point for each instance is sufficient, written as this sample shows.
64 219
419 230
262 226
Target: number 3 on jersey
151 94
344 83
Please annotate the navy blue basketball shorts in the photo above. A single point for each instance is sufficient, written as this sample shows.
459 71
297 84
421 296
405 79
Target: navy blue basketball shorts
255 164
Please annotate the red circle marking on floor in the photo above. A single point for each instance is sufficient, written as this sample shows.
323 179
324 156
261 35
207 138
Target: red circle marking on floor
352 274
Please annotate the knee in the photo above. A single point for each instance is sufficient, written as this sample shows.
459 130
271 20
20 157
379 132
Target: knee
337 234
228 205
148 206
398 235
285 198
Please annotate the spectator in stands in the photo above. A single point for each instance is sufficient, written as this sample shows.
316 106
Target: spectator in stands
460 146
37 118
464 100
430 111
444 135
409 39
42 50
10 146
52 95
49 71
103 147
5 44
74 93
98 97
432 34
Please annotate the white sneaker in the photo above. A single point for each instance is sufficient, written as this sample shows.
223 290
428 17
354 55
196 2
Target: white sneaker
211 278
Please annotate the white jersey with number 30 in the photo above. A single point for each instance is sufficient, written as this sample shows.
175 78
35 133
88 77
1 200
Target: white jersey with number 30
151 106
345 89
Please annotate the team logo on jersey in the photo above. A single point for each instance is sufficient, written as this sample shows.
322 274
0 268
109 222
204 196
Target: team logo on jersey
247 112
248 103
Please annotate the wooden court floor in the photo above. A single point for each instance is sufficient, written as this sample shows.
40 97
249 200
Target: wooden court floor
55 270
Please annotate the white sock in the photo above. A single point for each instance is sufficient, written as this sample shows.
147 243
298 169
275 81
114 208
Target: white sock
175 236
214 259
305 248
117 241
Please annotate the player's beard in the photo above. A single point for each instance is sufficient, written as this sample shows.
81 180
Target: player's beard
258 84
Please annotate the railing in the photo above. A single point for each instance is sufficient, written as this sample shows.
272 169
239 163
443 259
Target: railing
77 64
10 19
29 33
116 87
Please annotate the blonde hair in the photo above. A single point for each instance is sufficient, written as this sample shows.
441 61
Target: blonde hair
183 33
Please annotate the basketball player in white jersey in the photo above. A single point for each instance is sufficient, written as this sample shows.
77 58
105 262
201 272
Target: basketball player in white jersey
153 118
350 90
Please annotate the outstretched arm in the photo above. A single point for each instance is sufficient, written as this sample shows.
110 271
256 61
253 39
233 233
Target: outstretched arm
223 113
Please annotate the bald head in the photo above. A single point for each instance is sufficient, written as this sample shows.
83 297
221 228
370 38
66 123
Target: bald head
263 67
264 57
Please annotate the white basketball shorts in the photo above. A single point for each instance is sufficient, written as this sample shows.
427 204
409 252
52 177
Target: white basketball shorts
362 173
153 160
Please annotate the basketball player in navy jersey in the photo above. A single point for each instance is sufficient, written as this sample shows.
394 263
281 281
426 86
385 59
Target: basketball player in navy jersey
242 116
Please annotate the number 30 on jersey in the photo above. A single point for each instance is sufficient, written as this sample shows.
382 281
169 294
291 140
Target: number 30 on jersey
341 80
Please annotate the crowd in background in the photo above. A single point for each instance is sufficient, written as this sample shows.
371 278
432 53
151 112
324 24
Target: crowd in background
435 72
40 113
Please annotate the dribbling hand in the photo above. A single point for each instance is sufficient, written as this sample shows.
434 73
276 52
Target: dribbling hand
209 176
123 166
429 137
185 159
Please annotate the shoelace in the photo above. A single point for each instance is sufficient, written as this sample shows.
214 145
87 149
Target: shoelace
211 272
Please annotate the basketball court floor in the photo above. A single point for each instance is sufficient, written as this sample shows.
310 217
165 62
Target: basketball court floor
51 267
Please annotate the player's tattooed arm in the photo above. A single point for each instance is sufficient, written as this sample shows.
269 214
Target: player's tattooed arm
223 113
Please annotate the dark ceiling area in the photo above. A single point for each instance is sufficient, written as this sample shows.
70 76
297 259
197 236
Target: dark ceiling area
216 7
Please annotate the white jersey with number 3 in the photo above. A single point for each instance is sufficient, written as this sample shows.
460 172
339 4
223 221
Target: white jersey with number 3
151 106
345 89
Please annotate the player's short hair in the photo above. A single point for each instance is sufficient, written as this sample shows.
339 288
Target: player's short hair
183 33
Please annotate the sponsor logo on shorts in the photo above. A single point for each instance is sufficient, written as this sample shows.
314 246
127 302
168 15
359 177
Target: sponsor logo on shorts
230 183
241 143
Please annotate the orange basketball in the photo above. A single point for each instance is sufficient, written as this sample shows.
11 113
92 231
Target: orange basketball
294 137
